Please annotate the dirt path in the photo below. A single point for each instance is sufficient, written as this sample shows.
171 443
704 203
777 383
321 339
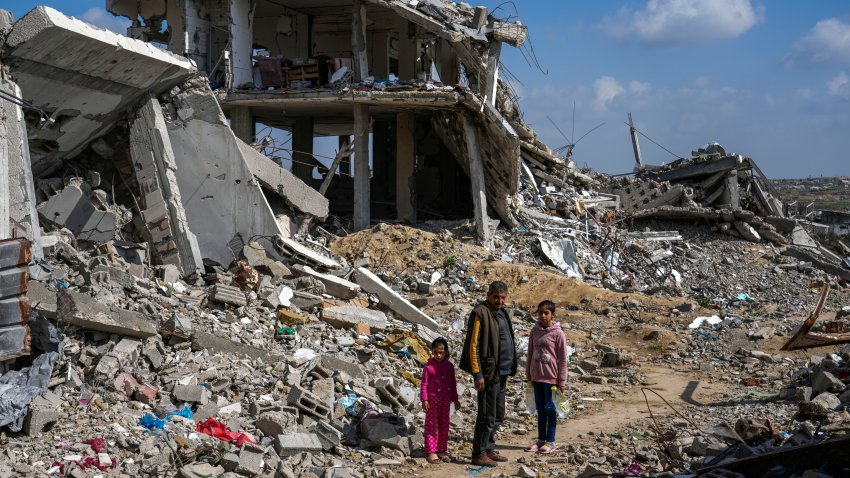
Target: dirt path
613 413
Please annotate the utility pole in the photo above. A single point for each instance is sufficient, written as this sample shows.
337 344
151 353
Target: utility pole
635 144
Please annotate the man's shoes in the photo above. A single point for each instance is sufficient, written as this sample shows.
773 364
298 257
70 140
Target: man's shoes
495 456
483 460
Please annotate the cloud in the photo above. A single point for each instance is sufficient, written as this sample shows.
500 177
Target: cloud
639 87
828 42
839 86
103 19
605 89
673 23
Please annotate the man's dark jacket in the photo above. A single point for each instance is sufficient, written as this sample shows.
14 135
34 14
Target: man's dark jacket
480 355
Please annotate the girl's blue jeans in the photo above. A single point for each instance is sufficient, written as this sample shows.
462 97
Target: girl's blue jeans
547 415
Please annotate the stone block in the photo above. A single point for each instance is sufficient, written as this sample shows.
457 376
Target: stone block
295 443
382 432
43 412
191 393
250 460
824 381
273 423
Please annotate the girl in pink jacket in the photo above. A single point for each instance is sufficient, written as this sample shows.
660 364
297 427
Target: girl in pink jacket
438 392
546 367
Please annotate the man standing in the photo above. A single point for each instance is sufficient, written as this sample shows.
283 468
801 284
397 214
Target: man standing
489 354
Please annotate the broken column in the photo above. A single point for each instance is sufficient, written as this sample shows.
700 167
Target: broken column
155 167
405 191
17 194
362 175
479 187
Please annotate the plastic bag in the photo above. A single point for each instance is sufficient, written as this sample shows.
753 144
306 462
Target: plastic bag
530 405
562 403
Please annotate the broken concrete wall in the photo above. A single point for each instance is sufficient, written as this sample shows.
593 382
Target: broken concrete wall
83 77
17 195
219 193
155 166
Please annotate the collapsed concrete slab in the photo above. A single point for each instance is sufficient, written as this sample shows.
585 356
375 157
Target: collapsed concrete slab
348 317
335 286
398 304
83 77
289 187
164 215
219 194
17 193
85 311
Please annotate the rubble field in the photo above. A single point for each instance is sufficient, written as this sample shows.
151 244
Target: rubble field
174 302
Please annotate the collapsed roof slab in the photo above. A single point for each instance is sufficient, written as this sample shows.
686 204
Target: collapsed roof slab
83 77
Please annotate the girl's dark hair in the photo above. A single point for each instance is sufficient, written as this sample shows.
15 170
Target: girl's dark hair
548 305
440 341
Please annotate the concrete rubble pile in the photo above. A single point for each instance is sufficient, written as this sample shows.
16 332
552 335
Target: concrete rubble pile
172 305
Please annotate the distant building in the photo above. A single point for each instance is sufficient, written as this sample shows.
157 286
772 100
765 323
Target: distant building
838 221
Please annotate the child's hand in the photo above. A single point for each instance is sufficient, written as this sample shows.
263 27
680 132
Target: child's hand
457 404
425 405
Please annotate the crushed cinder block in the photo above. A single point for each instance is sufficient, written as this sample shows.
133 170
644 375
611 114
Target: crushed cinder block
328 435
230 295
73 208
308 403
44 411
387 389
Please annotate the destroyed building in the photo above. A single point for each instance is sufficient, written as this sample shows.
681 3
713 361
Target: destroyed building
206 310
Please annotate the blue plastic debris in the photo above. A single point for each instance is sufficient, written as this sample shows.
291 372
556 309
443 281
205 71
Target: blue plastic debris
184 412
151 422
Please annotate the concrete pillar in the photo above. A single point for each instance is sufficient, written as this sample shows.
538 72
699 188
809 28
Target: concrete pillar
479 187
362 214
358 40
732 194
17 190
5 224
242 123
164 215
406 50
380 161
242 41
302 149
405 184
490 80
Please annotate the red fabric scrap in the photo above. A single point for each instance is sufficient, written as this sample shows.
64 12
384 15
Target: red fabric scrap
215 428
96 444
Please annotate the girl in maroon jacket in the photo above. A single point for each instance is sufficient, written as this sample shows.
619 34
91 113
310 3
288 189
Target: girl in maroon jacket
439 390
546 367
